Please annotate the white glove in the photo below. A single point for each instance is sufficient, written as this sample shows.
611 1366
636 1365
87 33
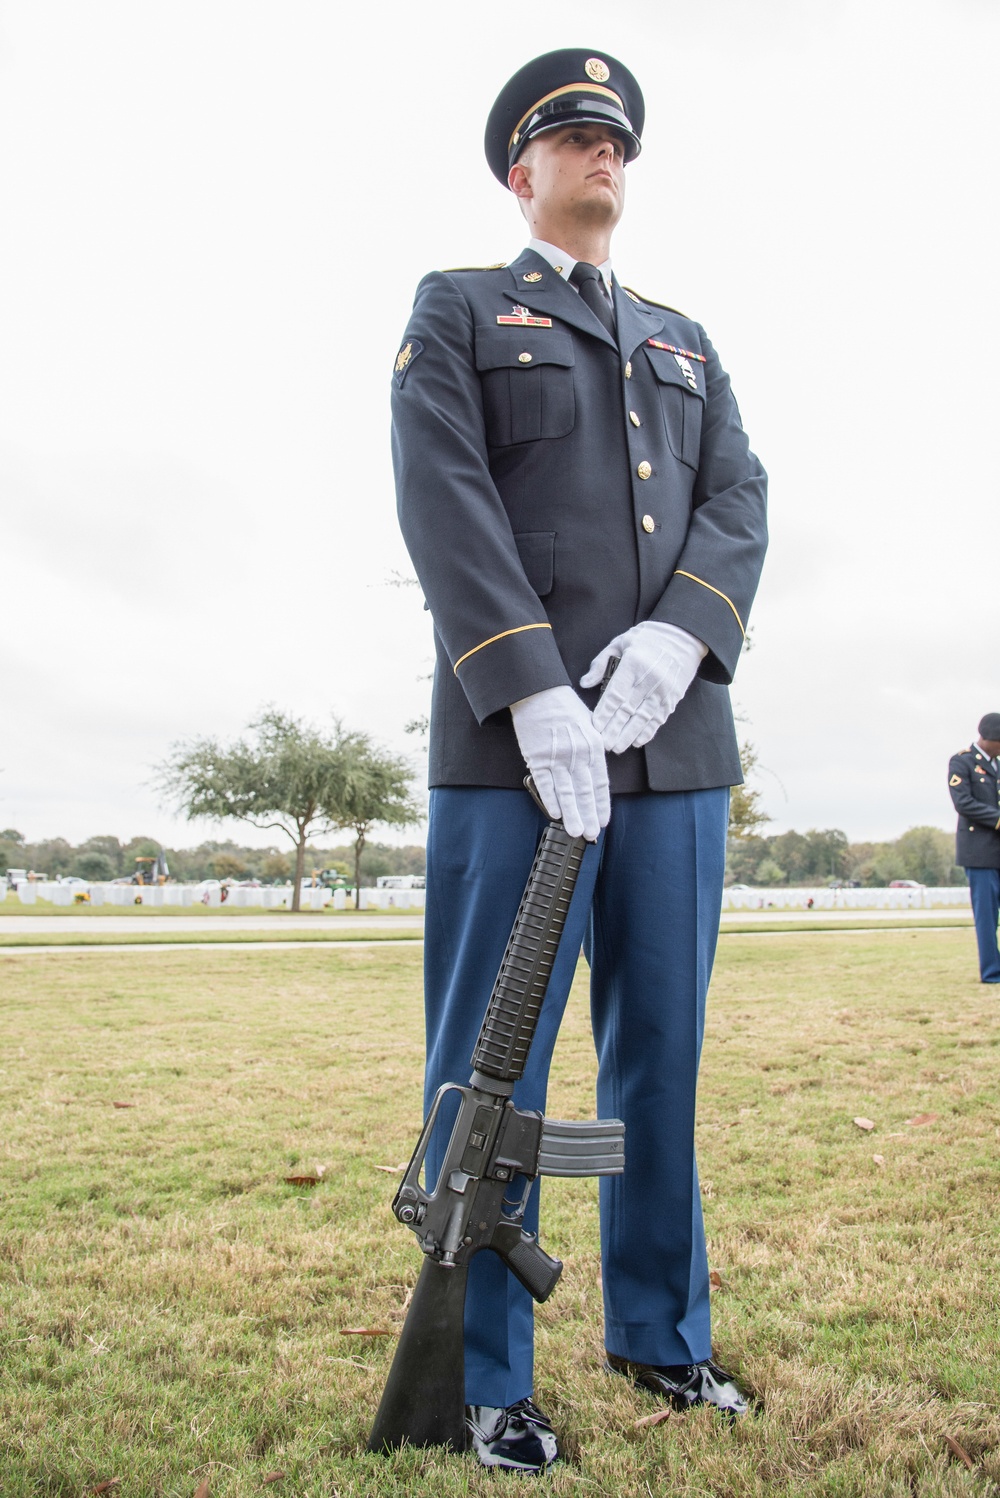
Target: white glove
658 663
565 756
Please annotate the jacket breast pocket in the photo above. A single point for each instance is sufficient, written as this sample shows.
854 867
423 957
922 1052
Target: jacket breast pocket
527 380
681 404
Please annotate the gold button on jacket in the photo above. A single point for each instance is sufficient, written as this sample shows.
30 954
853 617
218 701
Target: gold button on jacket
648 524
644 470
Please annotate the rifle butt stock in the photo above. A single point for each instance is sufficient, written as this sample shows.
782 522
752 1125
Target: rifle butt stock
423 1403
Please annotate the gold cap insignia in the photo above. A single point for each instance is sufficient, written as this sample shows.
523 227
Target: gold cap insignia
532 275
596 69
403 357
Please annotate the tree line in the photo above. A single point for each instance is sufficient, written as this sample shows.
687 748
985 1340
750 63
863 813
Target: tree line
106 857
926 854
821 856
286 775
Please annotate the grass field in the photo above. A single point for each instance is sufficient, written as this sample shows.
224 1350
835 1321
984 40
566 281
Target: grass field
173 1314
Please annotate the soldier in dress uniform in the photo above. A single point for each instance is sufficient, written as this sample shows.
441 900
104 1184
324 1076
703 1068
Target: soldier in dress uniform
973 782
574 485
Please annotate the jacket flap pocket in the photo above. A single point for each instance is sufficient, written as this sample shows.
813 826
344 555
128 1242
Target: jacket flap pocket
522 348
678 369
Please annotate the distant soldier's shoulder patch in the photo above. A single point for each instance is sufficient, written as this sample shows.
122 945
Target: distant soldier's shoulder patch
955 780
410 350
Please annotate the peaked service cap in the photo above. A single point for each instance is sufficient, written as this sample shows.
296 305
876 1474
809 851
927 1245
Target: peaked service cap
571 86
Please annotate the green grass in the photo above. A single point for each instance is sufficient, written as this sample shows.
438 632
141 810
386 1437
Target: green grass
171 1311
169 938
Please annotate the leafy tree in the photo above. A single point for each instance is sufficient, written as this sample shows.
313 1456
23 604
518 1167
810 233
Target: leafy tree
227 866
54 856
746 815
11 835
929 855
274 865
109 846
378 790
94 866
289 776
770 873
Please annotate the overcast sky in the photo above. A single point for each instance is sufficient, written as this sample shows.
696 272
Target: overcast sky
213 215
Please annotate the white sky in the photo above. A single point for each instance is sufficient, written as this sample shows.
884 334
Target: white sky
213 215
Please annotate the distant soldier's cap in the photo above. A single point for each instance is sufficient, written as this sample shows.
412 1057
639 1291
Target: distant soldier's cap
568 87
989 727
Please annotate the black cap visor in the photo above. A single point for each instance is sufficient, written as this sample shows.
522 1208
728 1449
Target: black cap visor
574 110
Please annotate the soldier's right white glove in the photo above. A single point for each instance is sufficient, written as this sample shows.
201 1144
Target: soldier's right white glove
658 662
565 756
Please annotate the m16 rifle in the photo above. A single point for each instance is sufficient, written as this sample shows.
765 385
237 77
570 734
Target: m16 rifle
492 1144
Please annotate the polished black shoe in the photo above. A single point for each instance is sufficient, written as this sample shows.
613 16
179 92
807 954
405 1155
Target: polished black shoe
685 1385
516 1439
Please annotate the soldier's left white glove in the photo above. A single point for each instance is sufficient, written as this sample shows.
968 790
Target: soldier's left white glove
657 664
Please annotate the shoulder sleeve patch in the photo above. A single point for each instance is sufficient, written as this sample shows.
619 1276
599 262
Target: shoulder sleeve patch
410 350
955 780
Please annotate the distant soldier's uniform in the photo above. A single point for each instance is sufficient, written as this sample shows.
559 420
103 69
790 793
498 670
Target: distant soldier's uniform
975 791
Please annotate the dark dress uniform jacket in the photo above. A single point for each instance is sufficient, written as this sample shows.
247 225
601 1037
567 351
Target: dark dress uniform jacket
554 488
972 781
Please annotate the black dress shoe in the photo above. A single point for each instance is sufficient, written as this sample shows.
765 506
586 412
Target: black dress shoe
685 1385
516 1439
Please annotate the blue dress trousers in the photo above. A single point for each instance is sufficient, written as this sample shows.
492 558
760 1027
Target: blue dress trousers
556 484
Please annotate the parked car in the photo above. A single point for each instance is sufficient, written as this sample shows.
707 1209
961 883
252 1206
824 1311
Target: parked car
906 884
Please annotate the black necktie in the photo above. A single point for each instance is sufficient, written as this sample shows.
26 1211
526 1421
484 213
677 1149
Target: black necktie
588 281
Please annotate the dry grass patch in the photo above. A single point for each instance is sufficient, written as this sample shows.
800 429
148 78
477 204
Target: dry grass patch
172 1311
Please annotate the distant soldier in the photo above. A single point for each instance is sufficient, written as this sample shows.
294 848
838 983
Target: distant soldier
975 790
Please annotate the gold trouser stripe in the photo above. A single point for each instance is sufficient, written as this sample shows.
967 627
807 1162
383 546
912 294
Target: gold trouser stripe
493 639
570 88
718 591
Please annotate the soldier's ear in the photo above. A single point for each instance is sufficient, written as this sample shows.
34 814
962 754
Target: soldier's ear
519 180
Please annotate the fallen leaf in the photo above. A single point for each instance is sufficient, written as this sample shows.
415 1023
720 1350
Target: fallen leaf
715 1279
393 1170
919 1119
656 1419
102 1487
302 1180
957 1450
366 1331
273 1477
864 1123
202 1490
123 1105
879 1159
